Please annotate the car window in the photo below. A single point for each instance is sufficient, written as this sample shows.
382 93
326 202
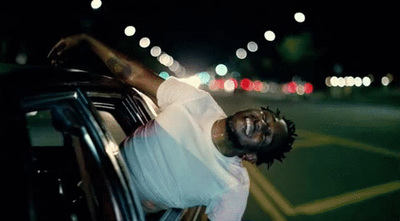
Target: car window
41 131
56 188
129 110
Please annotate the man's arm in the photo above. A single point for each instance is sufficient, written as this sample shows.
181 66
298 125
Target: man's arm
129 71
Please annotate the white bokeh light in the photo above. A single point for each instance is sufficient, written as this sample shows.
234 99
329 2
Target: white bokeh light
96 4
155 51
366 81
241 53
130 30
221 70
229 85
299 17
144 42
269 35
385 81
252 46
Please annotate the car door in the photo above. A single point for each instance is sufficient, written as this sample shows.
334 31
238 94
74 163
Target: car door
122 113
75 169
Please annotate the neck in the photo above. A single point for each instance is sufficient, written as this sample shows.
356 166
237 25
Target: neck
220 138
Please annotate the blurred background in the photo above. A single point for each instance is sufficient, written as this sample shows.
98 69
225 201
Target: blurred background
330 66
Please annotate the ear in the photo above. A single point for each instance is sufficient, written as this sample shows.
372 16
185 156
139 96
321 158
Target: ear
251 157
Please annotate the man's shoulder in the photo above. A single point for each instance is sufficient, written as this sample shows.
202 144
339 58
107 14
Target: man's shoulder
175 90
241 182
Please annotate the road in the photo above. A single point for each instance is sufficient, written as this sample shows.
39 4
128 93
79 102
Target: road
345 165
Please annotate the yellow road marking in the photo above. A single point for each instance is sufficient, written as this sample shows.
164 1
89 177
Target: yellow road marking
330 203
368 148
266 194
311 139
266 204
263 190
269 189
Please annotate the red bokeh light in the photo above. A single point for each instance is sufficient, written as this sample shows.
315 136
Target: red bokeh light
217 84
308 88
246 84
257 85
292 87
220 83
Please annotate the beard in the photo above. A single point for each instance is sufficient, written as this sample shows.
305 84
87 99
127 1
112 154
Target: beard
232 134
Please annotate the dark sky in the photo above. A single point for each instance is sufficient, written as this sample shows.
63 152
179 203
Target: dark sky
361 38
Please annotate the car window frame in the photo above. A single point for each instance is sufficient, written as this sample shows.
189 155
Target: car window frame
122 196
128 108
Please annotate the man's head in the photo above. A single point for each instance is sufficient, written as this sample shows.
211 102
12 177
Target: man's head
260 133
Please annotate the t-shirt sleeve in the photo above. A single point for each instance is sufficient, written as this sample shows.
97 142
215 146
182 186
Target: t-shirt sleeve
172 90
230 205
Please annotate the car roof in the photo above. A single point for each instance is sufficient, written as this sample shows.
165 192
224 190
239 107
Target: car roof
41 77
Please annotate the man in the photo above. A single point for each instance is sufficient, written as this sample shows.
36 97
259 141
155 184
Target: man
191 154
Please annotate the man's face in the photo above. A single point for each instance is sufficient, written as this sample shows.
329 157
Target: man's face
253 130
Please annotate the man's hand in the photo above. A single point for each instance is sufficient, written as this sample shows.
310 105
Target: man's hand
58 54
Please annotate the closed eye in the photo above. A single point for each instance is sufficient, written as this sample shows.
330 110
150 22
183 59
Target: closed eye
271 115
266 138
264 117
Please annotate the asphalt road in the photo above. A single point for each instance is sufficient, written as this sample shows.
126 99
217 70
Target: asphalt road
345 165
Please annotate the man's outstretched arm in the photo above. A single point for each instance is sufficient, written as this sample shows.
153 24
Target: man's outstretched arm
130 71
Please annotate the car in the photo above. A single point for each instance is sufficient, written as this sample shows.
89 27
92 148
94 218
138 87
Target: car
60 130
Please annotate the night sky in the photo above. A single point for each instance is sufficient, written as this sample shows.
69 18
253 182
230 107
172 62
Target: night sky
337 37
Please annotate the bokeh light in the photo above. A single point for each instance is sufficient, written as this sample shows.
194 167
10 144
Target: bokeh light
144 42
166 59
366 81
229 85
241 53
246 84
96 4
204 77
308 88
269 35
155 51
221 70
357 81
164 75
385 81
299 17
130 30
257 85
252 46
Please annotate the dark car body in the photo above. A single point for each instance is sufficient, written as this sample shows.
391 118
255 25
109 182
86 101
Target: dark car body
60 136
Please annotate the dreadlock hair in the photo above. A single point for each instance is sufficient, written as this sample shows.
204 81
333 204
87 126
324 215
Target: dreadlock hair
277 153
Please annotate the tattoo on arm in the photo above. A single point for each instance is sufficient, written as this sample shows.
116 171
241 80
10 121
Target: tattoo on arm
119 68
136 75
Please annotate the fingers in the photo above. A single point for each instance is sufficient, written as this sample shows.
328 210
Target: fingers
56 53
64 47
57 49
56 63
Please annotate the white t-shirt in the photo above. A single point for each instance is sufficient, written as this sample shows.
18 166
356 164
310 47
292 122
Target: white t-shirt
174 163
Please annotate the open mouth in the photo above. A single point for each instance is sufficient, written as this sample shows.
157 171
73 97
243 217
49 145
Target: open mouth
249 127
